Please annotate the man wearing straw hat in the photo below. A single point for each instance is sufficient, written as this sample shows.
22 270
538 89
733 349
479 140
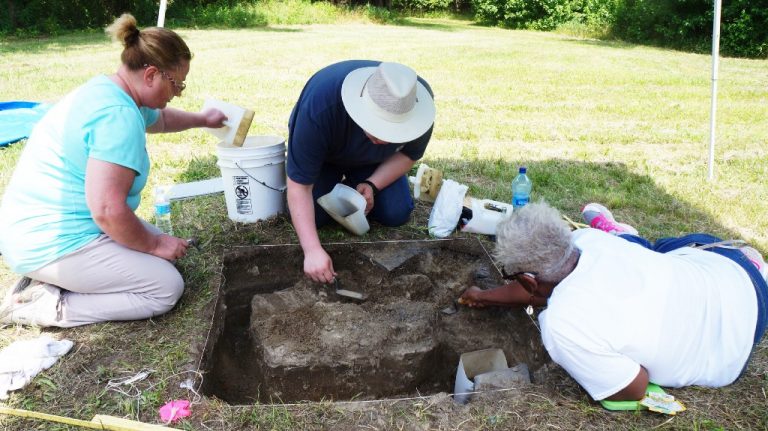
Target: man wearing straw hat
363 123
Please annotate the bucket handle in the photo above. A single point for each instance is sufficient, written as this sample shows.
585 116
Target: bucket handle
281 189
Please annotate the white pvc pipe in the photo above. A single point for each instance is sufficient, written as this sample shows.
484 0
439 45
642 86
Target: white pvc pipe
713 108
161 13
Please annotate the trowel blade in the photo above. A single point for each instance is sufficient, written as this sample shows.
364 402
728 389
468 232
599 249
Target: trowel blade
451 309
357 296
352 295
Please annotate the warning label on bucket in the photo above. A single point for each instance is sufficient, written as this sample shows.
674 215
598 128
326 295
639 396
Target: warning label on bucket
242 191
244 206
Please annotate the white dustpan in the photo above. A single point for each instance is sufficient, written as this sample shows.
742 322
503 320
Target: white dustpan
347 207
235 127
472 364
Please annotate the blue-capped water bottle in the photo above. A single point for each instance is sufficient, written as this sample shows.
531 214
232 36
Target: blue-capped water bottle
521 189
163 210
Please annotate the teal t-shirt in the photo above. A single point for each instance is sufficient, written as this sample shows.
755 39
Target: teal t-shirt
44 214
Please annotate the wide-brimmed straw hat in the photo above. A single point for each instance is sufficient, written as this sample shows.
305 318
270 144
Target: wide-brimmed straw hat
388 102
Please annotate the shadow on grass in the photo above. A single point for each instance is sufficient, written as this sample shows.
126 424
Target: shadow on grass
176 340
73 40
266 27
620 44
566 184
199 168
96 38
427 25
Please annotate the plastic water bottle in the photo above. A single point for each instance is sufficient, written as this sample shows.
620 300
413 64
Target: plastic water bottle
521 189
163 210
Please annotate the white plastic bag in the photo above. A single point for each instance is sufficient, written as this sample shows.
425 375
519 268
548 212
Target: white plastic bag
447 208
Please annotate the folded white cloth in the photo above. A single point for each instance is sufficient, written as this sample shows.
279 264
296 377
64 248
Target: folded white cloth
23 360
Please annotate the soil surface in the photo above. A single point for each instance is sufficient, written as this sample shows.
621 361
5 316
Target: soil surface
283 337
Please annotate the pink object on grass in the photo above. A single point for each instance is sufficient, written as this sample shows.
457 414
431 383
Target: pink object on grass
174 410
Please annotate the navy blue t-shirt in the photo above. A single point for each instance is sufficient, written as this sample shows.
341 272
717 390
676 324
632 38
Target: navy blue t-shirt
321 131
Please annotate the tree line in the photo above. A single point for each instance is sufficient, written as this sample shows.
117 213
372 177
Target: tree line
679 24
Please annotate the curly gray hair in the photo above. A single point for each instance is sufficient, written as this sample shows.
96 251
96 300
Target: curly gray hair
534 239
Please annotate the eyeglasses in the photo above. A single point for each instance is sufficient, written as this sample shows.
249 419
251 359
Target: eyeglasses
179 87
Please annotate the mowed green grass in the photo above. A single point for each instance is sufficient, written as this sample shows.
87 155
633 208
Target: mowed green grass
565 106
620 124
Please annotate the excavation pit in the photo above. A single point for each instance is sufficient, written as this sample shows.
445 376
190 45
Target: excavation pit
278 336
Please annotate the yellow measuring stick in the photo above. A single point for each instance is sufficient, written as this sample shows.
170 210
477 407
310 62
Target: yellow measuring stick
574 224
99 422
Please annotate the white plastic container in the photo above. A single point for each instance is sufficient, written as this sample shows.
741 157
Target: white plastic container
472 364
486 215
253 177
347 207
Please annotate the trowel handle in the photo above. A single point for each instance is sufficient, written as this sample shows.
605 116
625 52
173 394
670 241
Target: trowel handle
194 242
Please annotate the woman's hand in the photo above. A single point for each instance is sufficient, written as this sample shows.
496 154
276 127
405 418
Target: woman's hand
507 295
170 248
213 118
472 297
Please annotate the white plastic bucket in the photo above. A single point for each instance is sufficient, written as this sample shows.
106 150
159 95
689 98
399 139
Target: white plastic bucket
347 207
253 177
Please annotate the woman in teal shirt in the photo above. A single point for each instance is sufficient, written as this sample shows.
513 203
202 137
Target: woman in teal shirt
69 226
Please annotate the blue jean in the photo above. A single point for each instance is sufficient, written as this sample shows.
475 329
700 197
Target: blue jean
665 245
392 206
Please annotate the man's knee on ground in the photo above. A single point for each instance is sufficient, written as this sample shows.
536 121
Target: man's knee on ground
391 216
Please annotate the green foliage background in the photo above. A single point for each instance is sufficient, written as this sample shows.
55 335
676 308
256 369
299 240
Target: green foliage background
687 24
679 24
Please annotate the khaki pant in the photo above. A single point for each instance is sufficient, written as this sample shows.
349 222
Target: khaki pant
107 281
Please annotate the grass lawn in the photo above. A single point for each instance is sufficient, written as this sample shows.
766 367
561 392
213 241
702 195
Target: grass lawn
620 124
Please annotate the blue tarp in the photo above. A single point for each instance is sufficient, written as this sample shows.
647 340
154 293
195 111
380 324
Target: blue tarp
17 119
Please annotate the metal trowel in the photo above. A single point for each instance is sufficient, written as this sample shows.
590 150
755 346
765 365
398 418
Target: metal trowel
351 294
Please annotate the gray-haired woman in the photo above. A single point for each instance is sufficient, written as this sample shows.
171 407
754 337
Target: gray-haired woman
68 212
622 312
